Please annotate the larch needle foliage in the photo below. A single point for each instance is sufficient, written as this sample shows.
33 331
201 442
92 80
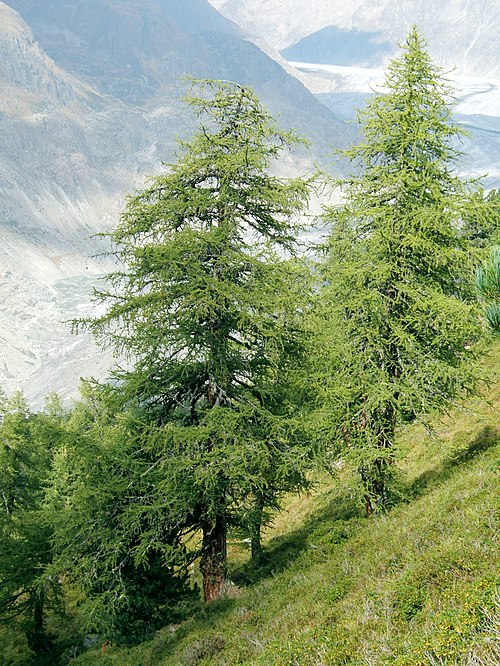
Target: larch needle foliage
206 309
27 443
397 296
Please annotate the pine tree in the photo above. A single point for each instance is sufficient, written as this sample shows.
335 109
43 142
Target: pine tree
206 311
488 284
397 294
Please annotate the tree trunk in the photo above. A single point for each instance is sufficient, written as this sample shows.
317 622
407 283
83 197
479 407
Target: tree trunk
38 641
370 510
374 480
375 474
255 536
213 565
256 544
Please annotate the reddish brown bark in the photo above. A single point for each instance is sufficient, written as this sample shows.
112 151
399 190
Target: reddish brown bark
213 565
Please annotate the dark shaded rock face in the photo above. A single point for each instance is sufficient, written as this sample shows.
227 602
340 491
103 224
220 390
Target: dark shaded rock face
332 45
89 105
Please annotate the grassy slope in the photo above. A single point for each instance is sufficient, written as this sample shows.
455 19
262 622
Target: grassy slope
415 586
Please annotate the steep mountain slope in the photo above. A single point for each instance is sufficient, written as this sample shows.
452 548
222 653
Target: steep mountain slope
461 33
89 106
416 586
49 194
138 51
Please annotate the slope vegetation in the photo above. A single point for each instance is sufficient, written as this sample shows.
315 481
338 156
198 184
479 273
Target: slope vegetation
415 586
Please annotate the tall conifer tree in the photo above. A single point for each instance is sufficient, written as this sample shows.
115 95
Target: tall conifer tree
397 294
206 311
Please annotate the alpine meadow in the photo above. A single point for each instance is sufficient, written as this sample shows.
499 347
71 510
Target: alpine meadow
293 460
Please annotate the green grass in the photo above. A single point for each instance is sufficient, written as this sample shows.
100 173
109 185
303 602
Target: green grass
417 585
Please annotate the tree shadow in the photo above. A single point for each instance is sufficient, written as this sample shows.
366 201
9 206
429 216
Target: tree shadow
329 525
489 436
322 528
333 523
338 520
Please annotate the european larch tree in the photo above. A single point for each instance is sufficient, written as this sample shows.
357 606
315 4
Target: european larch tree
27 443
397 274
112 540
206 309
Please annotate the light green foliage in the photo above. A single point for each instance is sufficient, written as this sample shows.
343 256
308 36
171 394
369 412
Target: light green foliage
207 310
397 297
27 441
488 284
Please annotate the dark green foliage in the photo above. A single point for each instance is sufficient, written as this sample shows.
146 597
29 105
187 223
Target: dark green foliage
397 299
27 442
112 541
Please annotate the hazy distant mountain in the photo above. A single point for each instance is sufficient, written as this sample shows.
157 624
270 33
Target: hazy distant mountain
138 51
89 105
352 48
338 38
460 33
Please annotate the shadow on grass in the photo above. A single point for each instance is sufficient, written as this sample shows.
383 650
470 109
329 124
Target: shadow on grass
489 436
338 521
333 524
323 528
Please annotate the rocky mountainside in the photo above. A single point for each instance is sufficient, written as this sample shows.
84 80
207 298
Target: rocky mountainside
461 33
89 106
138 51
